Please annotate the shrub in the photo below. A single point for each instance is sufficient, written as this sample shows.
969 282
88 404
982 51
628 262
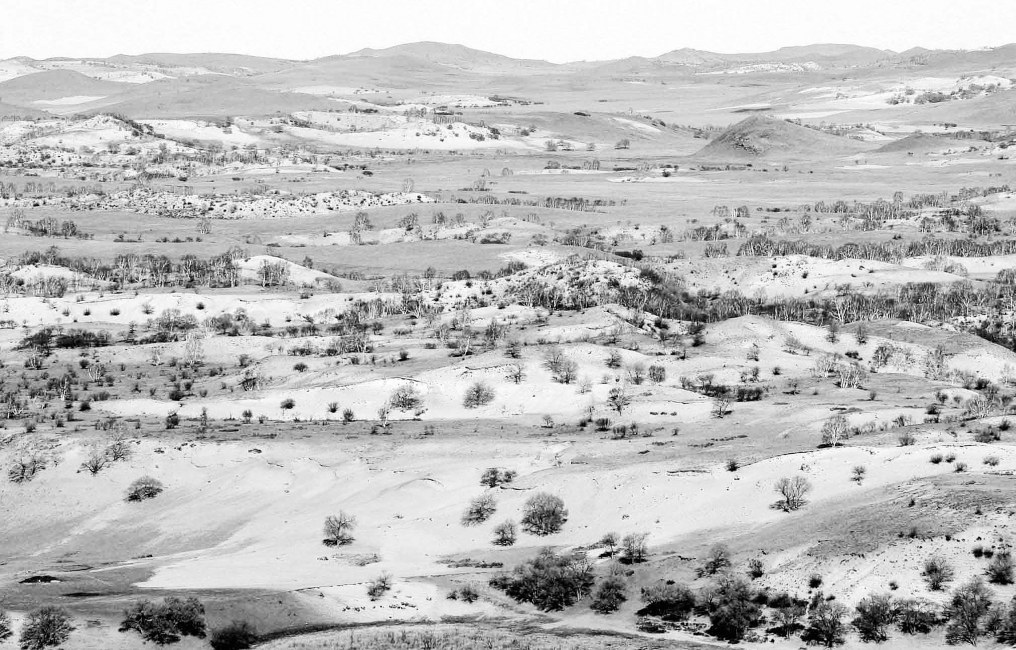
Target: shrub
937 573
814 581
480 509
478 394
669 601
825 625
45 627
405 398
339 529
936 459
287 404
505 533
144 488
165 622
468 594
543 514
379 586
6 631
916 616
549 581
347 415
990 461
793 490
493 477
657 374
967 608
874 616
756 568
732 608
1000 569
609 595
238 635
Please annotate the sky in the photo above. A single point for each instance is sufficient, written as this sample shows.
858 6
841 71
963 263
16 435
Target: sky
554 30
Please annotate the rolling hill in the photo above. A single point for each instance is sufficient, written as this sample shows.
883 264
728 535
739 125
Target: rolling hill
764 137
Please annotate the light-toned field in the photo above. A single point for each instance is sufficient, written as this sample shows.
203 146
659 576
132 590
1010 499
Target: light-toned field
648 288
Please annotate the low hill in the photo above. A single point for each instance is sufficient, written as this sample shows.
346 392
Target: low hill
923 143
54 85
209 96
764 137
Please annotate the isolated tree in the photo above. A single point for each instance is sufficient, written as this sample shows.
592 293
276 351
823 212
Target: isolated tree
478 394
834 430
618 399
793 490
716 560
543 514
44 628
339 529
505 533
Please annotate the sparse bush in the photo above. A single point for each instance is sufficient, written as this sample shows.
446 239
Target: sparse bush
379 586
543 514
144 488
480 509
756 568
937 573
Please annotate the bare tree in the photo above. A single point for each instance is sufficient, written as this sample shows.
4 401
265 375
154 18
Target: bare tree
793 490
339 529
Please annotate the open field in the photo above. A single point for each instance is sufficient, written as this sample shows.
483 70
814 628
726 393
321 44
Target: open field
651 353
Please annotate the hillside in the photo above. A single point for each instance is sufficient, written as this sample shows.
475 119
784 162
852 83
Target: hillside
55 85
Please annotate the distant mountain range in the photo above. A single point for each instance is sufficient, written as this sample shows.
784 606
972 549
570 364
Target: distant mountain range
169 85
